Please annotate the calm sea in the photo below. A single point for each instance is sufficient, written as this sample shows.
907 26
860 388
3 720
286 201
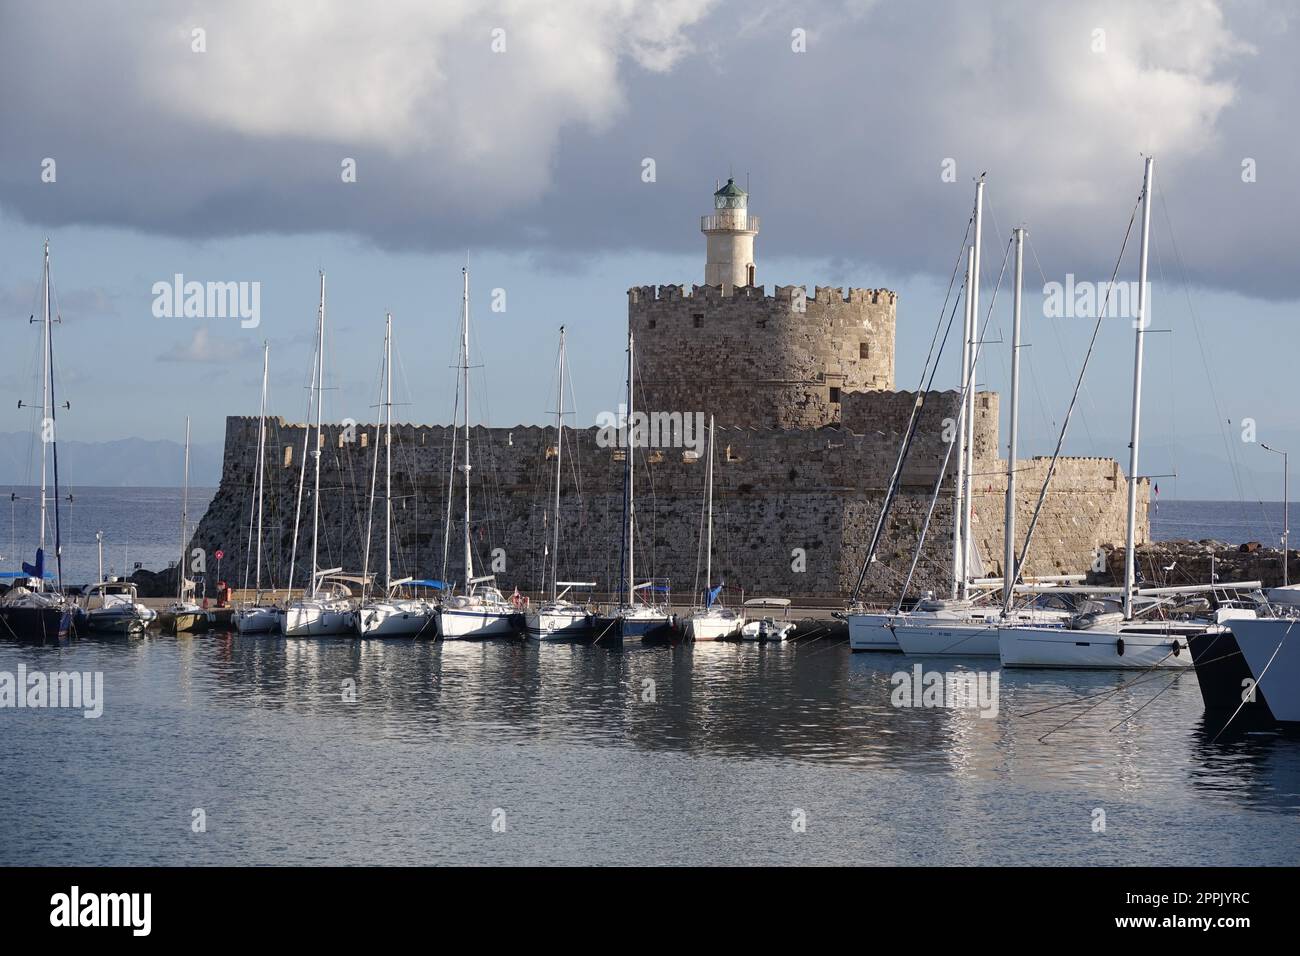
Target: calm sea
141 526
344 751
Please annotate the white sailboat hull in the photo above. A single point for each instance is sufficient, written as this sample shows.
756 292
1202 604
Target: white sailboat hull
870 632
257 620
921 638
1099 649
468 624
1271 648
713 627
314 620
558 624
394 619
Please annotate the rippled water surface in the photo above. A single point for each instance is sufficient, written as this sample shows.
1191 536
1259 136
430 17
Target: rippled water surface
704 754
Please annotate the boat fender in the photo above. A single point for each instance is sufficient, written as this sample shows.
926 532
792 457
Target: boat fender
1119 646
1178 648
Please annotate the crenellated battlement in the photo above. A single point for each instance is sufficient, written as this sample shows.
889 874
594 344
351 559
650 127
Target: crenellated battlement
647 295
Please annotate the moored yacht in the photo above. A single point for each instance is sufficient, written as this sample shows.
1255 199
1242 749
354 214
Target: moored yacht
480 610
113 607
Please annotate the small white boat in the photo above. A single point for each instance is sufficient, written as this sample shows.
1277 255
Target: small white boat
767 628
321 616
257 619
559 620
920 635
484 613
119 610
396 617
714 624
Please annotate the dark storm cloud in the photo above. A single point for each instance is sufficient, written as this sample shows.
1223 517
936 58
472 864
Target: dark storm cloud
540 148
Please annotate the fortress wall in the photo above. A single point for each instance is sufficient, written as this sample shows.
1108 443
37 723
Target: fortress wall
763 360
818 491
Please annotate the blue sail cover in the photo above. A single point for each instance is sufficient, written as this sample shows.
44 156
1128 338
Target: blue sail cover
712 595
37 570
425 583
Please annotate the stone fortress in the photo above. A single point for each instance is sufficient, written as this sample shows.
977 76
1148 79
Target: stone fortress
802 388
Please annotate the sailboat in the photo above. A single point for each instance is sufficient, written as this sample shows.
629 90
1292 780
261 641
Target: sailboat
320 612
31 610
1102 636
632 618
713 622
183 614
257 617
480 611
559 619
971 630
391 615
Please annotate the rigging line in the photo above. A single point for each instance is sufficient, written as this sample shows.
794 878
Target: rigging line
970 387
1069 412
1176 678
914 419
1098 703
1060 347
1149 674
1196 328
1258 681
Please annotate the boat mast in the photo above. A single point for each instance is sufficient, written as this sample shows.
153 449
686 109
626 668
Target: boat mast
1009 523
185 516
630 470
388 453
374 477
1144 303
559 452
317 451
260 480
959 486
969 499
464 367
45 387
708 554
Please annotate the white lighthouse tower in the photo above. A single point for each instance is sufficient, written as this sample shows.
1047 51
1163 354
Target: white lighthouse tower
729 233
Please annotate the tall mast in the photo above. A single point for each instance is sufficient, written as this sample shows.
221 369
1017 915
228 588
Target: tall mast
45 385
1144 303
302 480
1009 523
708 553
464 367
388 453
559 452
959 486
318 450
374 476
185 515
969 501
259 479
630 530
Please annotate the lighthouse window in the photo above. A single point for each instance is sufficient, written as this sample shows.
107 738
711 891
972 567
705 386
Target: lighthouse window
650 324
864 350
699 319
835 394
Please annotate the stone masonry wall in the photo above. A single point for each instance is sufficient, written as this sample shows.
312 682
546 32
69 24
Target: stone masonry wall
757 360
794 509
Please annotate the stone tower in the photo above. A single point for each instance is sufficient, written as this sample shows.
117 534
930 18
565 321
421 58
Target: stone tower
784 360
729 233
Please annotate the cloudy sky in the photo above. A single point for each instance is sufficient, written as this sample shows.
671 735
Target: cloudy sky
210 140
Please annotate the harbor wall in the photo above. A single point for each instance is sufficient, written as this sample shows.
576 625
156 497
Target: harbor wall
794 508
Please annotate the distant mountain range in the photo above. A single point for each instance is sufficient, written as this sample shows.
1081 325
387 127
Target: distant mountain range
126 462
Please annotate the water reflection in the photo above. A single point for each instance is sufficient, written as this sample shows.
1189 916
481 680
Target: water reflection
1093 733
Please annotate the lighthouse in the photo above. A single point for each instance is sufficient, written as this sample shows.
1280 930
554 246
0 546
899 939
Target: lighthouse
729 234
